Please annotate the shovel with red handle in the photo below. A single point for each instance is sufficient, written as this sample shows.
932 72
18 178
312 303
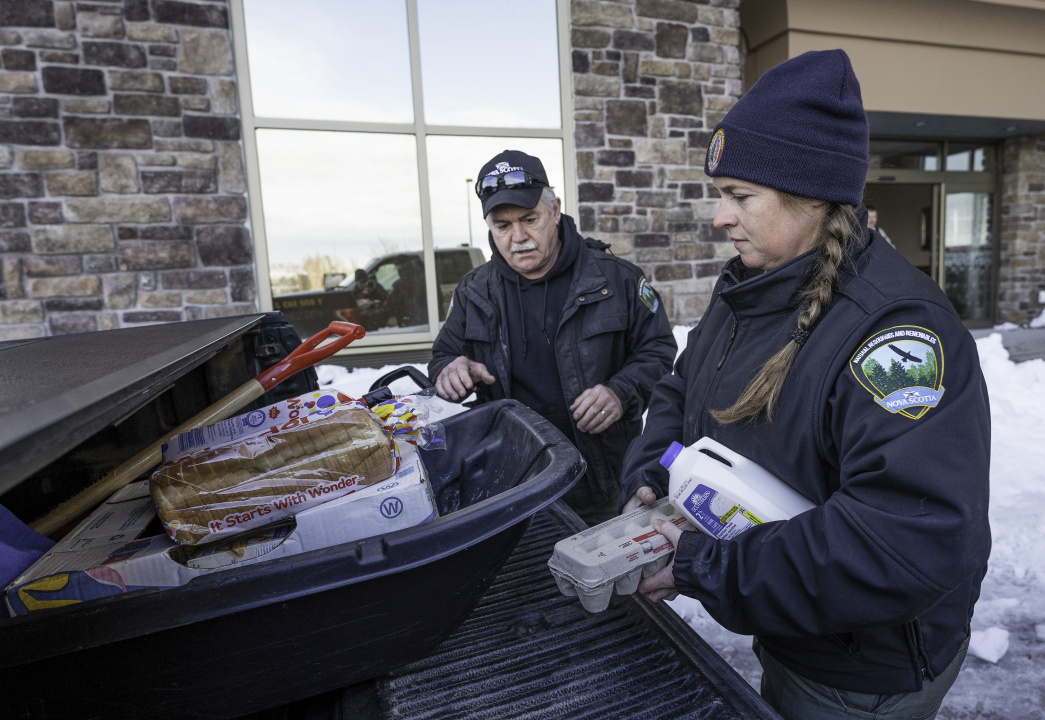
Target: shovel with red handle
305 355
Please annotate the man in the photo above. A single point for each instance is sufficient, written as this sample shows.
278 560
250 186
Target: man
371 299
406 301
557 323
872 223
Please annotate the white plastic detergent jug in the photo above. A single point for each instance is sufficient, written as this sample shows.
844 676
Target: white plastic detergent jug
726 497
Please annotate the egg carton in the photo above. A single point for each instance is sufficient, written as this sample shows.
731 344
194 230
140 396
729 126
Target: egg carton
615 555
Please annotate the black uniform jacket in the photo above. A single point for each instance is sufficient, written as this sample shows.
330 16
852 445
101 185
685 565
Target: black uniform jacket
607 335
883 423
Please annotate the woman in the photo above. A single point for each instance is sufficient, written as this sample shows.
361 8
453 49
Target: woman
822 358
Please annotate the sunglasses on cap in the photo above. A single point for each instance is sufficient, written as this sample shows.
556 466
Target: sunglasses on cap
490 184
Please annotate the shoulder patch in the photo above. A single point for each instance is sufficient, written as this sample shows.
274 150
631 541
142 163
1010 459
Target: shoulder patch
647 296
902 367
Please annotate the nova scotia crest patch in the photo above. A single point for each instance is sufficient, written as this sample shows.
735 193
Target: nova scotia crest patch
902 367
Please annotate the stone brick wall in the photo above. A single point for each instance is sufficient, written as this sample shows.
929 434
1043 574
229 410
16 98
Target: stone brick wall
650 80
122 188
1021 276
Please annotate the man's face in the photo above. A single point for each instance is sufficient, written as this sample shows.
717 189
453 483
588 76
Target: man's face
872 219
528 240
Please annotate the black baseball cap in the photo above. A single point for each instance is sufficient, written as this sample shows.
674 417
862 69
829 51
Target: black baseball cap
512 161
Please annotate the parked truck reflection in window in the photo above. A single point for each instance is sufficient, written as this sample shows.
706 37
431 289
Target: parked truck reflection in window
386 296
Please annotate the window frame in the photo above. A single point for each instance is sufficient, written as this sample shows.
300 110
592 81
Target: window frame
420 130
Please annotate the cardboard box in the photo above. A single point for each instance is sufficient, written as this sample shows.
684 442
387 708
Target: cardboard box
107 554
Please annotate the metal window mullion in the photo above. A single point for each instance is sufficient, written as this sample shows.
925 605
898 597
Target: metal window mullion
929 177
250 152
428 243
996 218
276 123
474 131
569 159
941 219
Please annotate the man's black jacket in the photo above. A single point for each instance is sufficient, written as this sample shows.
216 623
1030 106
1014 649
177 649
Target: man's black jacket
607 335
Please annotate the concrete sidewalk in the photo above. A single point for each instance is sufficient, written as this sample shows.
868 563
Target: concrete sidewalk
1022 343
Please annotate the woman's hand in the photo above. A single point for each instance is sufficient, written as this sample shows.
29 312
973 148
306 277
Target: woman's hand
661 585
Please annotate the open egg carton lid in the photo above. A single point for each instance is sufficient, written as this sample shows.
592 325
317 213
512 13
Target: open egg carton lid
616 554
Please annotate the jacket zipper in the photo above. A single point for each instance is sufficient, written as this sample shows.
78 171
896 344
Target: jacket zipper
594 457
923 658
729 345
714 381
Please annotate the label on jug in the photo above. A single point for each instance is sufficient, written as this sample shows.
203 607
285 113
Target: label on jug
718 514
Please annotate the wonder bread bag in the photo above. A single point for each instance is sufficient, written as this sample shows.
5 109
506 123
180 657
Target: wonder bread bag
268 464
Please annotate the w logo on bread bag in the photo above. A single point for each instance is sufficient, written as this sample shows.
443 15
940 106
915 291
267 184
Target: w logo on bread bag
902 367
391 507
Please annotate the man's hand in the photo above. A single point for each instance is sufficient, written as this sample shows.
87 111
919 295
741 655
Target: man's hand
596 409
457 380
661 585
643 496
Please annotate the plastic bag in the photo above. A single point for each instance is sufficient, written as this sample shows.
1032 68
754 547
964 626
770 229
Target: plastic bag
407 418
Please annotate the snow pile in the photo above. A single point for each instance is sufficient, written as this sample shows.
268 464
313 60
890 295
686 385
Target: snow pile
1038 322
990 644
681 333
1017 564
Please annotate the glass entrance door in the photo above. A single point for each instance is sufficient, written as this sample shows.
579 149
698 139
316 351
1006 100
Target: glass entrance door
936 199
968 252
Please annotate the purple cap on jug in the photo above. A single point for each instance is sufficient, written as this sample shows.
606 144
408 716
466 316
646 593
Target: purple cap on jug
670 454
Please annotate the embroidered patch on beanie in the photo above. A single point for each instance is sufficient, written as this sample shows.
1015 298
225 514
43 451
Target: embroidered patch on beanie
718 142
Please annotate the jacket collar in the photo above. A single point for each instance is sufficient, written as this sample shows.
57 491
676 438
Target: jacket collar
766 293
587 276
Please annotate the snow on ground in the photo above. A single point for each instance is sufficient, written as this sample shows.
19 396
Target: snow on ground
1002 678
1039 321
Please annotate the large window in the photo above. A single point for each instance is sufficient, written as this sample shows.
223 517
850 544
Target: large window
366 123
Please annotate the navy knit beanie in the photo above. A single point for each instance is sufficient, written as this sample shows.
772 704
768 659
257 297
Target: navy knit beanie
800 129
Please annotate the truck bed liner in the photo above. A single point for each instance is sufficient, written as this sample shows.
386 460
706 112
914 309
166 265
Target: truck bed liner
527 651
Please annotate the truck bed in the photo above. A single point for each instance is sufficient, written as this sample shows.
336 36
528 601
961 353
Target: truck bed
527 651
